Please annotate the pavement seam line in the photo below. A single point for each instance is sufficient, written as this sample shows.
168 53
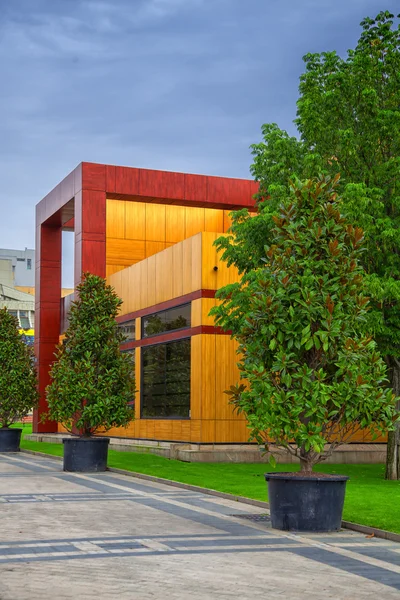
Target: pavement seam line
366 529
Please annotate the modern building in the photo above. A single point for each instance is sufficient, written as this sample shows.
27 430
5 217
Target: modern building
151 234
22 264
22 306
18 302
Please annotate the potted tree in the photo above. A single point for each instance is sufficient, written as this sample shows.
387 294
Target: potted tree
92 381
18 382
311 375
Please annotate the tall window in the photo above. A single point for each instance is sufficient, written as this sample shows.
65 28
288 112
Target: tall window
29 264
165 382
166 320
24 319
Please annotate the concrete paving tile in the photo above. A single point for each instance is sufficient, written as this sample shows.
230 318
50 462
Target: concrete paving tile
151 541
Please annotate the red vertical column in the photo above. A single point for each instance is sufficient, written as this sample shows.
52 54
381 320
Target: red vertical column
90 233
47 313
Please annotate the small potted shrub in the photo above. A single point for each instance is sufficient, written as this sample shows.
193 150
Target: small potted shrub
312 376
18 382
92 381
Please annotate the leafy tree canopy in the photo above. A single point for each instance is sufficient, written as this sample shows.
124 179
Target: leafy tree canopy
92 381
311 378
348 120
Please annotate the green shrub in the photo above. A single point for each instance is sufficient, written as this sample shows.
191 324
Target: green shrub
92 381
18 381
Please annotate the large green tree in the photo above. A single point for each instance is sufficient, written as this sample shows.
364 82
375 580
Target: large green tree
348 119
312 375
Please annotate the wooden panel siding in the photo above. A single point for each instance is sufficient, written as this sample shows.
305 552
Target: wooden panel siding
156 284
137 230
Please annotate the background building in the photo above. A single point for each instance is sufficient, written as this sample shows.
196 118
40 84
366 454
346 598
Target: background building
22 264
22 306
17 288
18 265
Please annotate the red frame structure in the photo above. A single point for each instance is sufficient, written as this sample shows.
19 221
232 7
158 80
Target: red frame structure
78 203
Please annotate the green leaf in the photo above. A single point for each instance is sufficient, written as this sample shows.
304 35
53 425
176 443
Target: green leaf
309 344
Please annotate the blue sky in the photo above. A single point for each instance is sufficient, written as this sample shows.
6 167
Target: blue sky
166 84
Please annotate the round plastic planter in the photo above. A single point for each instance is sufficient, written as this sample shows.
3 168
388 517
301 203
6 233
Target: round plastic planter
306 503
10 439
85 455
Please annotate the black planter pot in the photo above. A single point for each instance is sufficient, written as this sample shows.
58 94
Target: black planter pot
301 503
85 455
10 439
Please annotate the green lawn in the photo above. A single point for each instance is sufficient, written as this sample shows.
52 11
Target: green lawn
370 499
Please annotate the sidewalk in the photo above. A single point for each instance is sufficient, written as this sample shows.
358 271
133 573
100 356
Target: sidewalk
107 536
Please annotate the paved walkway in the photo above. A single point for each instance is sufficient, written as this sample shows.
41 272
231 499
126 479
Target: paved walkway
108 536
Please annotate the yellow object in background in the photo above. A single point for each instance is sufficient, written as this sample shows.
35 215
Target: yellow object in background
28 332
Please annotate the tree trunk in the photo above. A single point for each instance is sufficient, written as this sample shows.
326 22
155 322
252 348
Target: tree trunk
393 450
391 458
306 461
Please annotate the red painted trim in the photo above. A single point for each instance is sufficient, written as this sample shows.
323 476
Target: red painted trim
147 185
180 334
143 312
69 224
210 329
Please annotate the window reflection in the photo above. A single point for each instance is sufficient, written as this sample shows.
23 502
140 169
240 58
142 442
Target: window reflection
127 328
130 352
165 385
166 320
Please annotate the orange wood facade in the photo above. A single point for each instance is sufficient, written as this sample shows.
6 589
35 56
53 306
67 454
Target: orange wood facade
178 271
137 230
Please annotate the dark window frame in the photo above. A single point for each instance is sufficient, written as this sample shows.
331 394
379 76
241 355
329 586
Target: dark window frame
163 418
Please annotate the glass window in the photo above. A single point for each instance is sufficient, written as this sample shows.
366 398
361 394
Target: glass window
131 353
128 330
29 264
166 320
32 316
14 313
24 319
165 384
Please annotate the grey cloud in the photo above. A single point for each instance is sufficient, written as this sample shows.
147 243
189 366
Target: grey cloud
169 84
